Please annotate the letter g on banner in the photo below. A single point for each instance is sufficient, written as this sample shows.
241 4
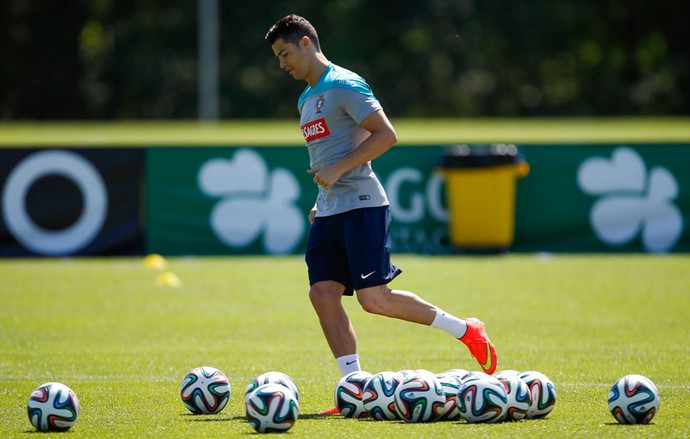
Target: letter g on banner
54 242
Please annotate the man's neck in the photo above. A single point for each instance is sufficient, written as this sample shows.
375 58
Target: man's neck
319 66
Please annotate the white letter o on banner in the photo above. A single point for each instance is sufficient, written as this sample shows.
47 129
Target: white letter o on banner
71 166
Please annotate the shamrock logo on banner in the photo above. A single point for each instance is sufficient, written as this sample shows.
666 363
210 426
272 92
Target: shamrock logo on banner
631 200
254 202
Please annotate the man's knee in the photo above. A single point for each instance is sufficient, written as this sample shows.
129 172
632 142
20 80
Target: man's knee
325 294
375 300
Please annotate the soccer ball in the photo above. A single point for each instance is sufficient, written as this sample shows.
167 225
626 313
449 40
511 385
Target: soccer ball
634 399
542 392
470 376
349 392
508 373
519 397
459 373
378 396
53 407
420 398
205 390
451 383
405 372
483 400
272 377
272 408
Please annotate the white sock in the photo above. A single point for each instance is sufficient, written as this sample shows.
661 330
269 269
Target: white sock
449 323
348 363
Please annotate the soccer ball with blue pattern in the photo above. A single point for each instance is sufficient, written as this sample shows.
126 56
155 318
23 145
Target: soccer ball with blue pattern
483 399
420 398
53 407
205 390
634 399
272 408
349 392
379 395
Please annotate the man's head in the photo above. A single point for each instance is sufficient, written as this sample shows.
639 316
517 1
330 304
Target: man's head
291 29
295 42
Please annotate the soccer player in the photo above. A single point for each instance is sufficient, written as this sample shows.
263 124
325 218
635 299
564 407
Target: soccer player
349 249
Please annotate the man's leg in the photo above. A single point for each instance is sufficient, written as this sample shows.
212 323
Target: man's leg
410 307
326 298
396 304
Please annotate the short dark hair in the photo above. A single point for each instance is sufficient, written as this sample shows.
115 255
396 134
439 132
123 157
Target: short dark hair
291 29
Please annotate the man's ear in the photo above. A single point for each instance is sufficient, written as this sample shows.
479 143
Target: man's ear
305 42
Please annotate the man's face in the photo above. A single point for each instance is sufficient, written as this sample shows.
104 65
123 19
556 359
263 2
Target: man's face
292 57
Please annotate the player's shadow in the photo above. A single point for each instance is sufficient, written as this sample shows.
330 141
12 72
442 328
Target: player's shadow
212 418
315 416
618 424
220 418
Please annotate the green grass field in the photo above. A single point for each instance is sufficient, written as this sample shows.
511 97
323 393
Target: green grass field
123 344
286 132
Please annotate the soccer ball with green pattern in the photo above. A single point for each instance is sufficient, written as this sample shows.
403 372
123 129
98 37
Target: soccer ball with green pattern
451 383
272 408
205 390
542 392
483 399
272 377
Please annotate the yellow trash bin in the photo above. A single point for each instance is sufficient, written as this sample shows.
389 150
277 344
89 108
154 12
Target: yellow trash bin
480 193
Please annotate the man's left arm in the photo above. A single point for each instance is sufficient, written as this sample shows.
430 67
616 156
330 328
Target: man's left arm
381 138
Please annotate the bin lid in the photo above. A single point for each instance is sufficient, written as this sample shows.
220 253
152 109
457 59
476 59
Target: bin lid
474 156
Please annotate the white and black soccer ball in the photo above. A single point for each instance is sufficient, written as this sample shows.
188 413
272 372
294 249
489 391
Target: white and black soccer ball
53 407
451 383
378 397
483 400
542 391
349 393
420 398
205 390
272 408
272 377
519 397
634 399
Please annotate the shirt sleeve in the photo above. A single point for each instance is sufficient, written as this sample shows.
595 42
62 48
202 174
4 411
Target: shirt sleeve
358 105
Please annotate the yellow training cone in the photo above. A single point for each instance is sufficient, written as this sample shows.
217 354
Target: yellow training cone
168 279
155 261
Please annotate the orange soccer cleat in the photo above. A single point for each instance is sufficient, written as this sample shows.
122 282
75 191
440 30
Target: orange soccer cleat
333 411
479 345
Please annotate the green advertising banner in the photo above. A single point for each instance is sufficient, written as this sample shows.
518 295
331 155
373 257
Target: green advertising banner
214 201
576 198
604 198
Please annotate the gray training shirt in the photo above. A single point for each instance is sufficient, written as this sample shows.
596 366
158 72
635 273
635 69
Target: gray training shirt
330 113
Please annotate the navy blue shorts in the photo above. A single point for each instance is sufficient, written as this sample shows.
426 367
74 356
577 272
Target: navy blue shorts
352 248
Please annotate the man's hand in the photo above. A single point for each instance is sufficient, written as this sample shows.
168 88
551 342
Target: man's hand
326 176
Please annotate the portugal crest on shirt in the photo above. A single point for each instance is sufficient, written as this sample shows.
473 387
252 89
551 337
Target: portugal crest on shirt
319 103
